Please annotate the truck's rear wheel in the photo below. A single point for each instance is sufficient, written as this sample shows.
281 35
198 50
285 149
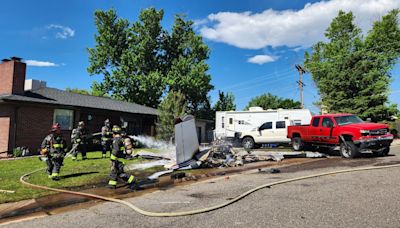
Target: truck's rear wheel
348 149
248 143
297 143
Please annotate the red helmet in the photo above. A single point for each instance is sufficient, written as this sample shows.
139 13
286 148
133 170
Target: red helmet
56 128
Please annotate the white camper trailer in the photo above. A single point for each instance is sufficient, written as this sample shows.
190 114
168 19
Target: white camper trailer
231 124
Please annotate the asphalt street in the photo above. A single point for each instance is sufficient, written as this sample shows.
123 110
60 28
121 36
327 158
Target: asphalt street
359 199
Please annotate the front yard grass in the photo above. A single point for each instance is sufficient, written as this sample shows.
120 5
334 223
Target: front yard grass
94 170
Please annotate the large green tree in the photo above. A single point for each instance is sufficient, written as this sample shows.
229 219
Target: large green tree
172 106
141 61
226 102
269 101
352 72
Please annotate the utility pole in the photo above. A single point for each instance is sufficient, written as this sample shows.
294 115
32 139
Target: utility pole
300 83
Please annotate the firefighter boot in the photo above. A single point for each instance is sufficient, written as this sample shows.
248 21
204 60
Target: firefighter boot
112 184
132 183
55 176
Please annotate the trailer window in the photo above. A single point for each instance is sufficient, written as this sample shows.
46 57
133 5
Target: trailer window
280 124
266 126
230 121
222 121
296 122
315 122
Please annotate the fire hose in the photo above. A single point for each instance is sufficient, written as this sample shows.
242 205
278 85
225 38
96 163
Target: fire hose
203 210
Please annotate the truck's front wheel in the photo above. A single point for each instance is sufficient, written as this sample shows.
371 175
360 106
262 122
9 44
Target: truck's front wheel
248 143
386 151
348 149
297 143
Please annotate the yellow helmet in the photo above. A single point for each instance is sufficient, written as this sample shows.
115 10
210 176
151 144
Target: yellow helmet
116 129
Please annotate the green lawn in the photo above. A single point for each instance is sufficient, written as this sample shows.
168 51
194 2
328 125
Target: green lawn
73 174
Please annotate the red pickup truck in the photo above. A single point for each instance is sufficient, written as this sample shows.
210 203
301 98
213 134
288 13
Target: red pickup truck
345 130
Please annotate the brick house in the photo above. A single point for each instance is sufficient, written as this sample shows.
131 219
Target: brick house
28 109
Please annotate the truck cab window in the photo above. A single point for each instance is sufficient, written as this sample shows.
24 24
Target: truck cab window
280 124
327 122
315 122
266 126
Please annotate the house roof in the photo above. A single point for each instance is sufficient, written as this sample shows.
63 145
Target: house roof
61 97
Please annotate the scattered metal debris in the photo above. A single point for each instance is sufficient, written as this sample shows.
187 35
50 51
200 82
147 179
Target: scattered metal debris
178 175
220 154
156 175
272 170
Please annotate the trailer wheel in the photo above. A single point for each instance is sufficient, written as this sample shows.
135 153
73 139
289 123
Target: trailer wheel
348 149
248 143
297 143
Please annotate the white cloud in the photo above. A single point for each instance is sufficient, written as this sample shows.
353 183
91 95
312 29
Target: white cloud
40 63
290 28
63 32
261 59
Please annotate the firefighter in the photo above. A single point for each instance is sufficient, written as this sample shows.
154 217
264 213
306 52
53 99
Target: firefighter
54 148
106 137
79 139
118 155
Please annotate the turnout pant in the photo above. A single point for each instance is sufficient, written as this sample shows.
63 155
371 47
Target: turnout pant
54 163
81 148
117 171
106 146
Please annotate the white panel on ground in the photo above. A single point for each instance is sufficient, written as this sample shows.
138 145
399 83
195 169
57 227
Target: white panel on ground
186 140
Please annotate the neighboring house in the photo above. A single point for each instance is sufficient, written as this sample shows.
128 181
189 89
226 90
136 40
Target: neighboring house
29 108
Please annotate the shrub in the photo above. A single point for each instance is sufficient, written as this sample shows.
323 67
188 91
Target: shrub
17 152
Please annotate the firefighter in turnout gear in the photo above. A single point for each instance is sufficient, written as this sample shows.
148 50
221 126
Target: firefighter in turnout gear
54 147
79 139
118 155
106 137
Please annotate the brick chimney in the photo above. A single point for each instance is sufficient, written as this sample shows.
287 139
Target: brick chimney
12 76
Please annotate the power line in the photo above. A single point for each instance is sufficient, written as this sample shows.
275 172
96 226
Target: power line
260 84
280 89
257 79
286 72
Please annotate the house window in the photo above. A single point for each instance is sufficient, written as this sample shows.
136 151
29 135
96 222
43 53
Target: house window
64 117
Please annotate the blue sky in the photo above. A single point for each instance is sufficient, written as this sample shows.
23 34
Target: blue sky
254 44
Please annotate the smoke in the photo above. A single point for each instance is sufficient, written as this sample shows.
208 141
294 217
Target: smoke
165 149
151 142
